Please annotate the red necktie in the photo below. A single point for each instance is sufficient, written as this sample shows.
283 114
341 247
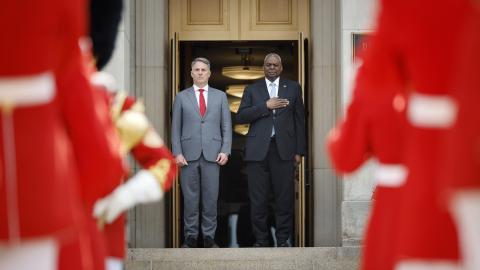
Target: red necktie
203 106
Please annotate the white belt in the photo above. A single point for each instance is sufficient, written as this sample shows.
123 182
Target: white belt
390 175
432 111
27 90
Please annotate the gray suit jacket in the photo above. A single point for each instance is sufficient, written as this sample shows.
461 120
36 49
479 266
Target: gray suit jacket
192 134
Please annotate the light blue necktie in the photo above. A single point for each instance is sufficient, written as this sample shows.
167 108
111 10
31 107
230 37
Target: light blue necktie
273 93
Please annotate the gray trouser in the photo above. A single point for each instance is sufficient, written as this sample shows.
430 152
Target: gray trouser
199 181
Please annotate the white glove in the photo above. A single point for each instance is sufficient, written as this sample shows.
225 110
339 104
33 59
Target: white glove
143 187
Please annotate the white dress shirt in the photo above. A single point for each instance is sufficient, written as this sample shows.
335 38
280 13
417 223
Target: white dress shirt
272 92
276 83
205 94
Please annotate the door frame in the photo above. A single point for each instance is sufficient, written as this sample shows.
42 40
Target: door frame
301 213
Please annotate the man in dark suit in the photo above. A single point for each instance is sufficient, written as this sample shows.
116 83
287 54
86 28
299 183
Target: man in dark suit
275 143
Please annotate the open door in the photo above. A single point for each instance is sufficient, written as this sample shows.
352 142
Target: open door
300 174
233 219
175 88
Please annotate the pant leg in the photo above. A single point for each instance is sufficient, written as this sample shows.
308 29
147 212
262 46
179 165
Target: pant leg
190 184
258 187
282 179
209 187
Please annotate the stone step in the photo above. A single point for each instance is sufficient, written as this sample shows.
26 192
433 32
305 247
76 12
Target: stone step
311 258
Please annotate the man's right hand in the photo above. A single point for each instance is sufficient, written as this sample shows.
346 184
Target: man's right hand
181 161
277 103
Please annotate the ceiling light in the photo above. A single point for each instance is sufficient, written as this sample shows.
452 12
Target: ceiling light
243 72
241 129
236 90
233 103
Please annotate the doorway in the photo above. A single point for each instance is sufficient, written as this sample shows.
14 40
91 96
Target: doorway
233 219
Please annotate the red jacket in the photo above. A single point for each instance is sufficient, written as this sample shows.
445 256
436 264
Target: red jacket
374 127
428 46
37 180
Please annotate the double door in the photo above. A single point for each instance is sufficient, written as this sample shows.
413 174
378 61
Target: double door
234 229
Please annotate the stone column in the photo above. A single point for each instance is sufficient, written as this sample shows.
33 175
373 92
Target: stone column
325 92
149 73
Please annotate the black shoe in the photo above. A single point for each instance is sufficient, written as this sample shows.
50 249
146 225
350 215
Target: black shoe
283 244
209 242
190 242
259 245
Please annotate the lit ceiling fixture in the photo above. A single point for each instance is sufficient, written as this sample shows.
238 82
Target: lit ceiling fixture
245 71
236 90
241 129
234 103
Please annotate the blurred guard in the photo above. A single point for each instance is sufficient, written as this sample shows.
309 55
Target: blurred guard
374 127
428 46
461 170
139 138
135 134
40 75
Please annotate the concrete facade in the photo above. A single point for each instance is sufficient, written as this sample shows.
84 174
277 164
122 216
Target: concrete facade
357 17
141 64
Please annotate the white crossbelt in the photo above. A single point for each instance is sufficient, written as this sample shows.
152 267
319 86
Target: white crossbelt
104 79
390 175
432 111
27 90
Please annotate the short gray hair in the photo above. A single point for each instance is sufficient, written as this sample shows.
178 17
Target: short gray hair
272 55
202 60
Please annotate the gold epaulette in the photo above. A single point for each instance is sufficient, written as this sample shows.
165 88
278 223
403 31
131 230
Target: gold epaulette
160 170
117 104
132 125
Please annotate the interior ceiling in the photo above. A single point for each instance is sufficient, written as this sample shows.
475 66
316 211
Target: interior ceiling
226 53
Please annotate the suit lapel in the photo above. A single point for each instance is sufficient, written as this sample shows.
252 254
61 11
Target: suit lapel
264 90
282 88
282 93
193 99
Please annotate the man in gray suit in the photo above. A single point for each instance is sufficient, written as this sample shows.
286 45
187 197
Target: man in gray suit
273 107
201 143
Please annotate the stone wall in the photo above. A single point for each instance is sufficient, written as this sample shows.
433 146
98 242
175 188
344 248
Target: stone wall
357 17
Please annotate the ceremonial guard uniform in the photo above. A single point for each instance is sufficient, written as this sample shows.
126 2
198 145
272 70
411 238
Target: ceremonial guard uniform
97 158
374 128
139 138
123 119
40 207
461 170
428 45
107 197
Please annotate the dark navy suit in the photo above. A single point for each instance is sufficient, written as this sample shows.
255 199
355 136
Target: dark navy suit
270 160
